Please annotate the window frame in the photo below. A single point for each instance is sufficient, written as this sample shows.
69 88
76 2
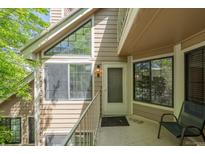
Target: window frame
10 118
90 19
186 54
74 101
150 80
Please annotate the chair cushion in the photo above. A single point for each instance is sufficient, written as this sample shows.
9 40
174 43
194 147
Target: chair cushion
176 129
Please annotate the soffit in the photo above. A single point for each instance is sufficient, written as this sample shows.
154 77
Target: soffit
155 28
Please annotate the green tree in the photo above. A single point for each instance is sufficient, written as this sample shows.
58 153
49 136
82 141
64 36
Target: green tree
17 26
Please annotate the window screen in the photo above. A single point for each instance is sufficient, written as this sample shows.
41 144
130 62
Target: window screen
115 85
31 126
153 81
68 82
56 83
14 125
55 139
76 43
195 75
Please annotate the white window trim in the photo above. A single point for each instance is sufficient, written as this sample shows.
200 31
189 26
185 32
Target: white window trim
70 56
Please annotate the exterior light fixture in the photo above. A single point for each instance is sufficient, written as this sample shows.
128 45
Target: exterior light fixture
98 71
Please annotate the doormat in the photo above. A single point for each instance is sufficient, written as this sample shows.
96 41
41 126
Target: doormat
114 121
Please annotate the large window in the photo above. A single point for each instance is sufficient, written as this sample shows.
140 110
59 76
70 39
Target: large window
195 75
153 81
76 43
68 82
14 125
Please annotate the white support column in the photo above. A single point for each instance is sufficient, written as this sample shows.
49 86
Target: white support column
36 103
178 78
130 84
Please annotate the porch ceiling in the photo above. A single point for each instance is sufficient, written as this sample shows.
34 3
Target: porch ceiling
156 28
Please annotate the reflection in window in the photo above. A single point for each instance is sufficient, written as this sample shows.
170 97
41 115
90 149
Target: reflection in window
80 81
153 81
142 81
14 125
161 90
76 43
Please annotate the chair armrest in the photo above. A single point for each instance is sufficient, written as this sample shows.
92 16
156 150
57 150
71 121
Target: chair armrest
168 114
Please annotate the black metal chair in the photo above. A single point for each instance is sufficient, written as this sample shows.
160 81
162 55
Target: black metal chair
190 122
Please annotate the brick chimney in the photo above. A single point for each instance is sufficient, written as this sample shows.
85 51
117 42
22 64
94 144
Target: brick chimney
58 13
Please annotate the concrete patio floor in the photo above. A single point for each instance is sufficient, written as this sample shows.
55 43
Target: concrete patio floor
141 132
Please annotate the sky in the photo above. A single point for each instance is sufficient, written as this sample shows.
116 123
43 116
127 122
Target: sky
46 18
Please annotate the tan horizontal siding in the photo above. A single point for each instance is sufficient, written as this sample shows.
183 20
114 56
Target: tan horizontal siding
105 22
149 112
53 126
59 121
59 116
55 14
105 39
61 106
104 36
108 40
113 26
104 32
106 45
62 111
107 13
100 17
101 49
105 54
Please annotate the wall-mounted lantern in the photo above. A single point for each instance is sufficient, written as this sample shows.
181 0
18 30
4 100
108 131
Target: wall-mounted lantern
98 71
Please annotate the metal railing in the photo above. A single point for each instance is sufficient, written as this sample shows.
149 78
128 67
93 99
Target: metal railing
122 17
85 131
